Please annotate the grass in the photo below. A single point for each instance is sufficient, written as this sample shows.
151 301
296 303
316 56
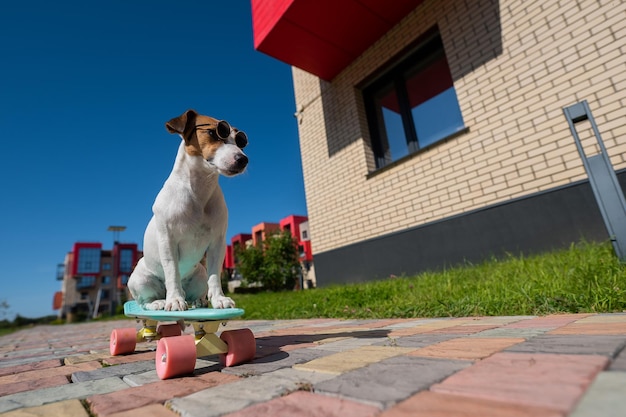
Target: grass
587 277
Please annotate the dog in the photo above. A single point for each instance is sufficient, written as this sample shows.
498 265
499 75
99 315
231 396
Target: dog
189 219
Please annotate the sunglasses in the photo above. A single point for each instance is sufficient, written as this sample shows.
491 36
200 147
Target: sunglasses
222 130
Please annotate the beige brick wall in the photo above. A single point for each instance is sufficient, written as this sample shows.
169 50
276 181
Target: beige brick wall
515 64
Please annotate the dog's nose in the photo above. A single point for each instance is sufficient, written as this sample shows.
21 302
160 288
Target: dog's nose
241 160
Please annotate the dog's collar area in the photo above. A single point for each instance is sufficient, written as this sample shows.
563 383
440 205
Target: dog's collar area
222 130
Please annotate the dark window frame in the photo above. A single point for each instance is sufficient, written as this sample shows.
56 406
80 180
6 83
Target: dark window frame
417 57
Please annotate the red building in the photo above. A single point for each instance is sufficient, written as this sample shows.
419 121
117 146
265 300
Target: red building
298 226
262 230
292 224
94 279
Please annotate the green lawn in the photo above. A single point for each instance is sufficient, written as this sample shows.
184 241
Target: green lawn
586 277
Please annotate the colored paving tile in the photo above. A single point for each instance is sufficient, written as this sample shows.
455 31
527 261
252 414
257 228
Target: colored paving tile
276 362
466 348
504 332
592 328
306 404
33 384
619 363
606 397
133 357
65 392
33 366
428 326
416 340
573 344
497 320
152 410
346 361
49 372
547 322
68 408
386 382
233 397
431 404
159 392
542 380
463 329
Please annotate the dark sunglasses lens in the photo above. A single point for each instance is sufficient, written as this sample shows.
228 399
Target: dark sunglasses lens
222 129
241 139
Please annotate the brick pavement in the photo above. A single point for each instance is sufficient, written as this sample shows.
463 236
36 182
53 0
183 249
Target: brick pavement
560 365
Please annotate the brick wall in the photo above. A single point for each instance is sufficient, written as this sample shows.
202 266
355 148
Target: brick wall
515 64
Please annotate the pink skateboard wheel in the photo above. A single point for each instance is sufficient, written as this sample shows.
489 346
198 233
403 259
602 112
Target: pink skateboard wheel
241 346
123 341
175 356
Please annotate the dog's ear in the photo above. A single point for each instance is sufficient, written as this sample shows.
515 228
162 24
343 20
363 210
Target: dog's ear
182 123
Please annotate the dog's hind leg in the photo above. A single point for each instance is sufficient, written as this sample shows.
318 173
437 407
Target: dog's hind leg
146 289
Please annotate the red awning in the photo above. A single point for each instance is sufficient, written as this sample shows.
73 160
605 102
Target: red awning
323 36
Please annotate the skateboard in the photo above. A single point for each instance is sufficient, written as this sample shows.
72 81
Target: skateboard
176 353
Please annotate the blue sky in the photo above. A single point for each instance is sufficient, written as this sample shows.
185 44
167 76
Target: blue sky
85 90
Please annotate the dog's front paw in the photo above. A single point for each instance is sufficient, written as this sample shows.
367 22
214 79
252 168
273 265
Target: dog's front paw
155 305
222 302
175 304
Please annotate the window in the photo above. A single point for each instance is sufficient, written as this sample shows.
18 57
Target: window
124 279
106 266
88 260
85 282
413 105
106 280
126 260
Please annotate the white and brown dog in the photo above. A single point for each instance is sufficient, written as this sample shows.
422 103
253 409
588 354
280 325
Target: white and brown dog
190 219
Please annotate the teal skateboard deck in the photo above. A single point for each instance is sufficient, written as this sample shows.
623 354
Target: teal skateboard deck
132 309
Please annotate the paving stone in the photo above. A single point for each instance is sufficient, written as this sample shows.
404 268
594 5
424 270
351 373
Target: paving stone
27 361
505 332
412 323
431 404
153 410
338 363
497 320
68 408
547 322
427 327
275 362
65 392
416 340
619 364
33 384
133 357
466 348
591 328
463 329
389 381
109 371
603 318
159 392
540 379
49 372
349 343
229 398
307 404
73 360
137 380
203 366
32 366
572 344
606 397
